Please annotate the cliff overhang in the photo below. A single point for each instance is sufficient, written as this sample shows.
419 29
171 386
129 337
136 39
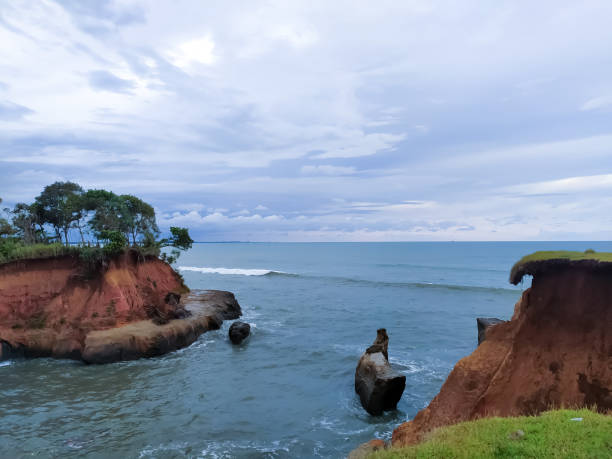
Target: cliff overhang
539 263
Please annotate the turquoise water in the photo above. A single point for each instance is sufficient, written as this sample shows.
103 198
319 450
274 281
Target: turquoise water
288 390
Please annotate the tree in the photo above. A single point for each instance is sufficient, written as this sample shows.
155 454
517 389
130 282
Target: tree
60 206
138 217
107 210
6 230
25 221
180 239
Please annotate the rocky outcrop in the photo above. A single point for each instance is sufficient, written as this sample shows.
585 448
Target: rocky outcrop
238 332
378 385
55 308
556 351
483 323
206 311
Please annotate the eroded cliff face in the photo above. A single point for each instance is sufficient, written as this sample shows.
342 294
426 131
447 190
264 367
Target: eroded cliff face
555 352
48 306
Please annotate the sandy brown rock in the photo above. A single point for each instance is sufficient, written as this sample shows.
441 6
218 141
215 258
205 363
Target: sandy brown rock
555 352
144 338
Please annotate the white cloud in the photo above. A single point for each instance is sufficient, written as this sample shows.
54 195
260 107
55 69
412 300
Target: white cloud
362 145
327 169
596 103
565 185
192 52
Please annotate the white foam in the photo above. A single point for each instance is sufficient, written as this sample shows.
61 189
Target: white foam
234 271
6 363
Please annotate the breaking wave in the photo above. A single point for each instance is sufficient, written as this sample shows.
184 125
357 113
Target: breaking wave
347 280
230 271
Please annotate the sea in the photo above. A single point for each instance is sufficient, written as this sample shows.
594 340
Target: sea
288 390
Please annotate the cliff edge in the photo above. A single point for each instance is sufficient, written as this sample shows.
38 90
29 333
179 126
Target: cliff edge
555 352
54 307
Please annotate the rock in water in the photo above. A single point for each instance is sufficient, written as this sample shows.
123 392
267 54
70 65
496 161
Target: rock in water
378 385
239 331
483 323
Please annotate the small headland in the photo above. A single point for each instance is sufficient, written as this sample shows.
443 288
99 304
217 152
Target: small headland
555 352
134 306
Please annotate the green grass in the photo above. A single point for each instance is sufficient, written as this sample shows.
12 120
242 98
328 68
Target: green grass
11 251
558 255
91 256
551 435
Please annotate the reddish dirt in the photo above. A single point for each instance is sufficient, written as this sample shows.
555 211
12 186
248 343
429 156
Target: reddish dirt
555 352
47 306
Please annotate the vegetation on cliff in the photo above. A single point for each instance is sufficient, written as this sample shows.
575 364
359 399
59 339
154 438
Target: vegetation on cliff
544 260
104 224
562 433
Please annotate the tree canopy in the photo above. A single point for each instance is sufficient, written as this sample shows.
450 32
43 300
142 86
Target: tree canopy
65 213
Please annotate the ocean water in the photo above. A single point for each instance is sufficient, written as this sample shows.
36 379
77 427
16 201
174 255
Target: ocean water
288 391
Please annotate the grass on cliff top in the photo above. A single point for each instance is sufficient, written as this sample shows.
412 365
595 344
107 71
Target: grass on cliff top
559 255
551 435
14 251
10 251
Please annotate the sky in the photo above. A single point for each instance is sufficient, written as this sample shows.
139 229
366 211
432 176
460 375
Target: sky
318 120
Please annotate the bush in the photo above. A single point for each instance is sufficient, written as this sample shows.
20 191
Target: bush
116 244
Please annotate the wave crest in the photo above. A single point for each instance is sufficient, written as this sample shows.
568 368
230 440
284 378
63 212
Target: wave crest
230 271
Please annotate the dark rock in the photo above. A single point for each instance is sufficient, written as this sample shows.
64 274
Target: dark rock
239 331
483 323
378 385
172 298
170 310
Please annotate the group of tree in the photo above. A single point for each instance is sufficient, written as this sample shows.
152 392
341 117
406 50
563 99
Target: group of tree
99 218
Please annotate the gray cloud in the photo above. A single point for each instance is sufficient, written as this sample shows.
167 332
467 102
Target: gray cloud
105 81
11 111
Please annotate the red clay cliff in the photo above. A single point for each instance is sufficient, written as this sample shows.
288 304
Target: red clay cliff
555 352
49 307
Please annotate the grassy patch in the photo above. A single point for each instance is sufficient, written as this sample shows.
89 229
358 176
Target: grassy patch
11 251
551 435
521 267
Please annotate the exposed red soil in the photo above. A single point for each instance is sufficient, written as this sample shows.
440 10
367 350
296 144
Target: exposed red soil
555 352
48 306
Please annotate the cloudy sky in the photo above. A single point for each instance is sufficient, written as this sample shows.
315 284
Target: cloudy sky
318 120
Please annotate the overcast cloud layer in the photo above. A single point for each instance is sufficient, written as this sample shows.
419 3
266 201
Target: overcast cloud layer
318 120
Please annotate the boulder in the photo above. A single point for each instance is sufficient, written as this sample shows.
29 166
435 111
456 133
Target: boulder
483 323
378 385
239 331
